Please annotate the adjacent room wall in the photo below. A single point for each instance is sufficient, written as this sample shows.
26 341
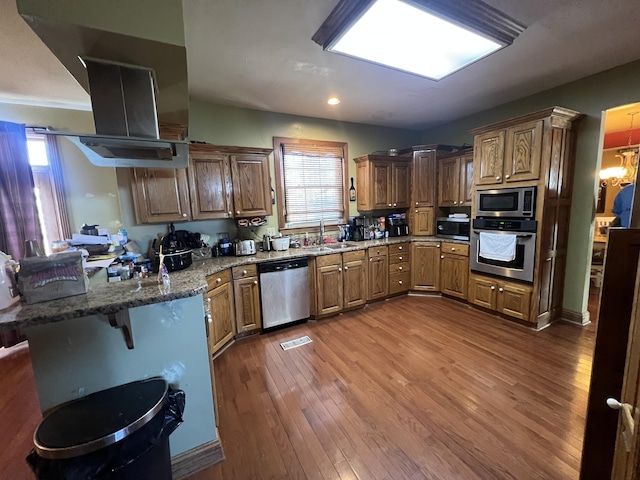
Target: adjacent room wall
591 96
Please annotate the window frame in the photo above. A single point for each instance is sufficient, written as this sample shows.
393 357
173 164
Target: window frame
280 187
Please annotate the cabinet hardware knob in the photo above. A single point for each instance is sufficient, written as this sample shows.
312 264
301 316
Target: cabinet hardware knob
395 204
371 259
399 268
339 269
493 287
389 204
501 289
230 213
400 282
497 178
184 214
399 248
237 212
507 176
455 203
255 282
209 300
209 319
416 211
438 246
453 249
218 280
416 204
441 256
346 268
399 258
244 272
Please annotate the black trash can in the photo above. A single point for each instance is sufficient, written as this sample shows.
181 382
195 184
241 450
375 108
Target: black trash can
117 434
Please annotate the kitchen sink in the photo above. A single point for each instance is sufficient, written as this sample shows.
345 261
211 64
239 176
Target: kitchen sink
330 247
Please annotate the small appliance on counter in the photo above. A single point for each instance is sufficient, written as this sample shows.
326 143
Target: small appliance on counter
397 225
244 247
358 229
280 243
176 248
456 228
266 243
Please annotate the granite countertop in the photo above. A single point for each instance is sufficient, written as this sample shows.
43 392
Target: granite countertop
113 297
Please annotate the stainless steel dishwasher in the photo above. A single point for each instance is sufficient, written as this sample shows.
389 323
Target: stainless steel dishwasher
284 292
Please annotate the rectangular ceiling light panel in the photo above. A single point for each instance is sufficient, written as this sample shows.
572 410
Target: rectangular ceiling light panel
399 35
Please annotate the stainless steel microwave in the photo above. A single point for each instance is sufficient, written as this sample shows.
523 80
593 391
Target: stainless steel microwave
506 202
452 227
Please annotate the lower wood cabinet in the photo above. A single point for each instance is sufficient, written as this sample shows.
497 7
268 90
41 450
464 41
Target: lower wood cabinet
354 279
246 291
425 270
329 286
399 268
508 298
454 269
378 273
222 325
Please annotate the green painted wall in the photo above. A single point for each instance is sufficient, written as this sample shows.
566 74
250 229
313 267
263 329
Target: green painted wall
91 192
224 125
591 96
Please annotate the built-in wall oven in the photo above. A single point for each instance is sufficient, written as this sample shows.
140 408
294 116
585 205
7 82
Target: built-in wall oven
504 247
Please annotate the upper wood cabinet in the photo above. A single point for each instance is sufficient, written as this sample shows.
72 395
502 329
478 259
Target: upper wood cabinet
424 179
251 184
383 182
509 155
455 180
221 182
210 185
422 220
160 195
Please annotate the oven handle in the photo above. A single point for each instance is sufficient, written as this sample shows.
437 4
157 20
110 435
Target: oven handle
527 235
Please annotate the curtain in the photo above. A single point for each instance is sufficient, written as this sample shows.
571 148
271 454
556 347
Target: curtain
18 210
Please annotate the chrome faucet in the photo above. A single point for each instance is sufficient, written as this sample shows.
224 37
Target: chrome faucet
321 232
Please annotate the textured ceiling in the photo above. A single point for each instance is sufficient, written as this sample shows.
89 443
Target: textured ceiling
259 54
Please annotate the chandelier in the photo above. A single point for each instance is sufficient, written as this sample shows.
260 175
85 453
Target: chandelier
626 172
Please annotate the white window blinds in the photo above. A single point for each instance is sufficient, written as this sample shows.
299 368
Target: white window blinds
313 184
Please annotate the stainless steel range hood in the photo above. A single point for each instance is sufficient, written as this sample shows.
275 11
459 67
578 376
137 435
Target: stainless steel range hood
133 83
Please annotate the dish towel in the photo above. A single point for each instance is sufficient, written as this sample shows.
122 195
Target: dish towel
498 246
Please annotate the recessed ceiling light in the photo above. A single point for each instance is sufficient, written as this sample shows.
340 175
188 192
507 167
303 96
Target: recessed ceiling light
426 37
333 101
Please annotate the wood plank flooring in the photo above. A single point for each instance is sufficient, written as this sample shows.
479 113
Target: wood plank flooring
410 388
413 387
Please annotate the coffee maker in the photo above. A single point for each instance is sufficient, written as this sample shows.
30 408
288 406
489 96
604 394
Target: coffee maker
397 225
358 229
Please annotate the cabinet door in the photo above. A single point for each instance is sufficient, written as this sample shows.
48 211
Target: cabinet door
160 195
378 277
363 186
223 323
246 292
448 182
514 300
251 185
523 152
423 178
454 275
401 184
488 152
329 289
422 221
466 180
425 267
482 292
354 277
380 184
210 182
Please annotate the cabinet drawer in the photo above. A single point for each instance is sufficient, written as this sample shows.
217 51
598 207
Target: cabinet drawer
400 257
455 248
399 267
378 252
326 260
244 271
218 279
399 282
352 256
399 248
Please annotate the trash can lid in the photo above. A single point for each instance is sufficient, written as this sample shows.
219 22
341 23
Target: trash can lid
100 419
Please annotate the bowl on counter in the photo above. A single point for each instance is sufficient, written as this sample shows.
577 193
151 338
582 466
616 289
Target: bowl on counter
280 243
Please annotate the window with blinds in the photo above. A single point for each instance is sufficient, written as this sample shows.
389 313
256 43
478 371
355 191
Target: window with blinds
312 182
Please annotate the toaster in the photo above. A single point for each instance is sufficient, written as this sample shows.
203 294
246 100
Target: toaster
244 247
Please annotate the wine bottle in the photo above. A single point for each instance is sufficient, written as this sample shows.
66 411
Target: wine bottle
352 192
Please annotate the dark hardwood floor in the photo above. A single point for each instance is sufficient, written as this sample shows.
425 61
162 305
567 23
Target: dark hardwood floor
414 387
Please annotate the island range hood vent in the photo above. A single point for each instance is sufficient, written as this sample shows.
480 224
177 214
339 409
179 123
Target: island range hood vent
123 99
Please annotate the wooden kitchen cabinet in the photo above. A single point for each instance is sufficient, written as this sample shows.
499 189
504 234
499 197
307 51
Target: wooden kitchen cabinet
251 184
329 287
454 269
222 327
246 292
508 298
510 155
399 268
455 179
378 273
422 221
339 283
425 266
354 279
160 195
424 179
383 182
210 184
